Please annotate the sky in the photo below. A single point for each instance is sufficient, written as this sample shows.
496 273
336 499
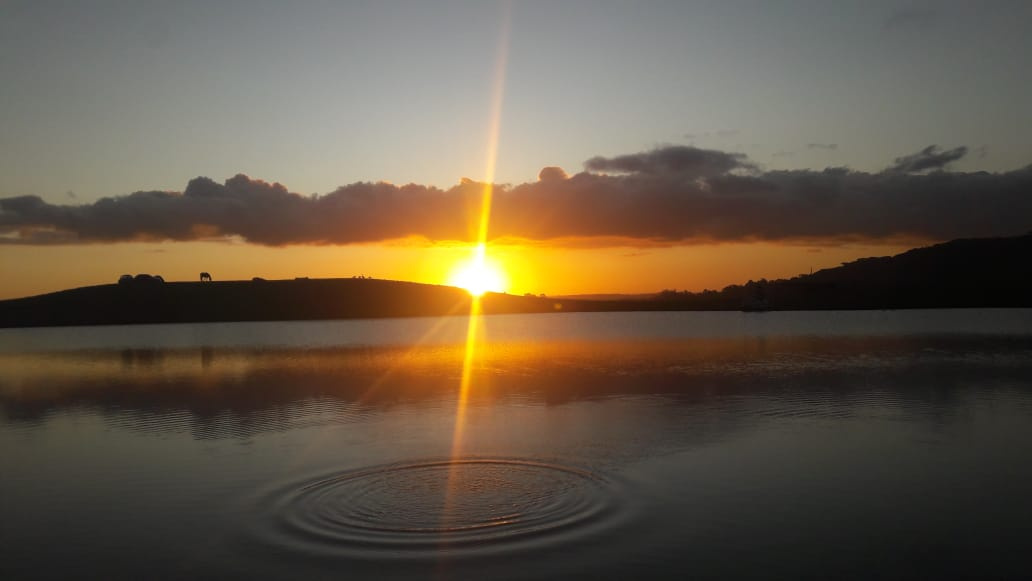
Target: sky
630 146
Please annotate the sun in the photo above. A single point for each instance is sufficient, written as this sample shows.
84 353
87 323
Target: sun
479 274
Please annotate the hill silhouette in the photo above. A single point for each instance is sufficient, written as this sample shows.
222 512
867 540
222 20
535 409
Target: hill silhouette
986 272
976 272
149 301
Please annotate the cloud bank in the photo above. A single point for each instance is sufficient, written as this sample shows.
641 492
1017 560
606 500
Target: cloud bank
669 195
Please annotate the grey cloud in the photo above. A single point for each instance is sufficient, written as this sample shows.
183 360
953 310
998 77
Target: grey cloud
672 159
931 157
672 195
552 173
828 146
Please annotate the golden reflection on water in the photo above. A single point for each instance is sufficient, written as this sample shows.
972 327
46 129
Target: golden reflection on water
322 460
552 371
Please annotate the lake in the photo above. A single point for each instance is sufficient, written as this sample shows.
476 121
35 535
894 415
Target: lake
888 444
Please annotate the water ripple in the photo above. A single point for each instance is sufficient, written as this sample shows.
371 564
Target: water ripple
418 509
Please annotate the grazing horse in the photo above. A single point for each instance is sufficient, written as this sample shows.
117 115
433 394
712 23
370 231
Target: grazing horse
205 277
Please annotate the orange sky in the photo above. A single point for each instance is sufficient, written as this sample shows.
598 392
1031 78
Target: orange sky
553 270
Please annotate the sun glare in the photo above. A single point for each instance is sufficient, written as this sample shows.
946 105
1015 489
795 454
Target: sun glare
479 275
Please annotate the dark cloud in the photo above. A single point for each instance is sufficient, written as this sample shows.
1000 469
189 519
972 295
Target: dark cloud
828 146
672 159
672 195
552 173
928 158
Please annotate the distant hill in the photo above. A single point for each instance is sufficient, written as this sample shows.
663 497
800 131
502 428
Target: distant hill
608 297
977 272
151 301
986 272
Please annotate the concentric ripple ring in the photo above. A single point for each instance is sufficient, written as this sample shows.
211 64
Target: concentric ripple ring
418 508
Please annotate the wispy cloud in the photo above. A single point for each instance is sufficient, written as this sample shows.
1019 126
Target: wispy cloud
666 196
929 158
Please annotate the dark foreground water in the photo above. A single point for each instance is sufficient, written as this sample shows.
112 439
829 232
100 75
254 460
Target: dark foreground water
626 445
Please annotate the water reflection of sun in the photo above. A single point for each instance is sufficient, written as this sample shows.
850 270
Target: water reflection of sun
479 274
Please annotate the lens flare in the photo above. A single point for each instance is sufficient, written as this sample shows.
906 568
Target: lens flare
480 274
479 277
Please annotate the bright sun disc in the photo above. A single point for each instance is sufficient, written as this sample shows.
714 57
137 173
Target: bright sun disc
479 275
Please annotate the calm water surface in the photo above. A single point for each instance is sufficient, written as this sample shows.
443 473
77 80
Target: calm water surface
606 445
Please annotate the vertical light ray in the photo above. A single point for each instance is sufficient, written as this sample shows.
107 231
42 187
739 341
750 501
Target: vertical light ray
494 129
468 362
474 330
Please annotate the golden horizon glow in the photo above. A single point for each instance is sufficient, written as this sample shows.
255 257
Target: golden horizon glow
536 269
480 274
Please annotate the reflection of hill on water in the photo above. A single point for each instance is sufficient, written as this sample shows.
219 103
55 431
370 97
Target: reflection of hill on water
219 393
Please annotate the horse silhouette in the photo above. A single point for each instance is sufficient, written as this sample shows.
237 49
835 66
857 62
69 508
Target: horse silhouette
205 277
